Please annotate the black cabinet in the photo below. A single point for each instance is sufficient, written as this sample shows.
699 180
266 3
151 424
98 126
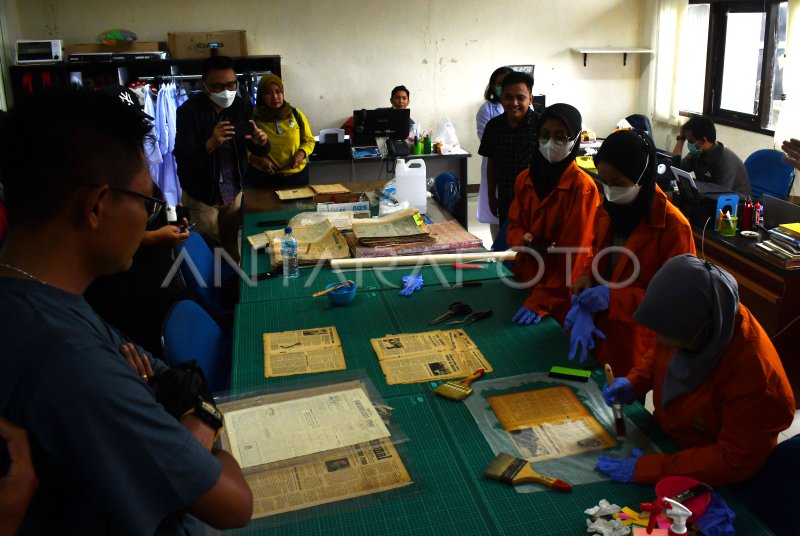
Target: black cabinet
27 79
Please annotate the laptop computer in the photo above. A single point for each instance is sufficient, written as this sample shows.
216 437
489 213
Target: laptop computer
778 211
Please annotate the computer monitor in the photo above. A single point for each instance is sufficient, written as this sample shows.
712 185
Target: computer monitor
381 123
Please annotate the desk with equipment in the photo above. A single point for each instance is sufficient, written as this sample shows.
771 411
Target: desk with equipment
447 451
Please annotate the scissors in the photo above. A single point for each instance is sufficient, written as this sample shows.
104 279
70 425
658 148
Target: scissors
457 308
474 317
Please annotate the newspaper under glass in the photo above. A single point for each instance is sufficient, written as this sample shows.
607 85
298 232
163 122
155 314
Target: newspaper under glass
288 429
428 356
303 351
549 423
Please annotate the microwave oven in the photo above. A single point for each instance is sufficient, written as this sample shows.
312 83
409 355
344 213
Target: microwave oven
39 51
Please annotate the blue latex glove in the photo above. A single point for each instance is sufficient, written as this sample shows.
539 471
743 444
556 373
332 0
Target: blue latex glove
619 469
525 316
579 320
717 519
621 389
411 284
594 299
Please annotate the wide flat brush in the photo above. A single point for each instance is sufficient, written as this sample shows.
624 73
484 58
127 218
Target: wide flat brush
512 470
619 418
458 390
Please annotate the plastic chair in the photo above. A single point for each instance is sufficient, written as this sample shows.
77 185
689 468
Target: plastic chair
446 189
771 493
190 333
197 270
769 174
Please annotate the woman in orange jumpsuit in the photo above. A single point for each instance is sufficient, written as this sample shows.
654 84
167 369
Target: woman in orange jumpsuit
551 215
719 389
637 216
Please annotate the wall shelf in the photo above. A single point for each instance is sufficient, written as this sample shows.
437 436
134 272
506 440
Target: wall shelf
612 50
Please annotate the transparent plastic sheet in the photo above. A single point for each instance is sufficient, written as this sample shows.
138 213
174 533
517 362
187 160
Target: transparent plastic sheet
326 482
574 469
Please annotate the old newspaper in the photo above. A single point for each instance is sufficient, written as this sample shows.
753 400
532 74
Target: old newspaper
403 225
549 423
427 356
286 429
303 351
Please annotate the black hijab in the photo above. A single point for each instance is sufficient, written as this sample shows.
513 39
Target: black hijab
630 151
545 175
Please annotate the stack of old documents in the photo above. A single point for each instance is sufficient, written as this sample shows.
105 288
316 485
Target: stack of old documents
318 240
432 355
303 351
395 229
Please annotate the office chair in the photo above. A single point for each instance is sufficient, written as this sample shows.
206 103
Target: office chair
771 493
190 333
447 191
198 273
769 174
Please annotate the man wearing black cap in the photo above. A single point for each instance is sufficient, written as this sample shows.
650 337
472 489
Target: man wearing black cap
108 456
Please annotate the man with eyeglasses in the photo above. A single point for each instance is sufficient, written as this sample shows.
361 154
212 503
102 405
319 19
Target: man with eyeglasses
709 159
108 456
215 131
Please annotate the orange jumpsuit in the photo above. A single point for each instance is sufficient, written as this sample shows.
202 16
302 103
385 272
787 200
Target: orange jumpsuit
730 423
565 217
665 234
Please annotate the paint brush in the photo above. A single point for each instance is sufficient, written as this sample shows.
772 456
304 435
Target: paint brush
458 390
619 418
337 286
512 470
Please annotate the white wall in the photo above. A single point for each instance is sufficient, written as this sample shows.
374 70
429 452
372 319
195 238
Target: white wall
340 55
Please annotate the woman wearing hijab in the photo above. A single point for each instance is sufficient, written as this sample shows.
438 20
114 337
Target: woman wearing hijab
637 216
291 140
719 389
490 109
554 206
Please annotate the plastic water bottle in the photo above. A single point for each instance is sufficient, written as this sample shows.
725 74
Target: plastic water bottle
291 267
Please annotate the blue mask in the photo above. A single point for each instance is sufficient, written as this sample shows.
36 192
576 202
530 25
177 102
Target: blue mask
693 149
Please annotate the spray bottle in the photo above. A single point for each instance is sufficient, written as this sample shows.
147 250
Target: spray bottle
674 510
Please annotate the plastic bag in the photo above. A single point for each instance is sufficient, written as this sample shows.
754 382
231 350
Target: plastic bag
447 133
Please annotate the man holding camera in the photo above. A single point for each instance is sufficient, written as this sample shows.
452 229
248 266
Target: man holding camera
215 131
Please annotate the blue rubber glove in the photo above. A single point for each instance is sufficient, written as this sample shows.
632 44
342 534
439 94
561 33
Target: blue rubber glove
717 519
411 284
579 320
594 299
619 469
621 389
525 316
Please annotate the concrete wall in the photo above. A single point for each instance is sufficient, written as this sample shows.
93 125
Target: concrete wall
340 55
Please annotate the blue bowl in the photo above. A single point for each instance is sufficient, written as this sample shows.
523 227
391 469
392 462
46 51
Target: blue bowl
342 296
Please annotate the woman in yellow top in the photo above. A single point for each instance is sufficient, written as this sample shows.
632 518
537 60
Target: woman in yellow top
290 137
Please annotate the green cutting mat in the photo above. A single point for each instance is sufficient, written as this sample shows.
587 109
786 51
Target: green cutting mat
438 502
366 318
437 277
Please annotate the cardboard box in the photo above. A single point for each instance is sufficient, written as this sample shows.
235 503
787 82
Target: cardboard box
198 45
341 202
93 48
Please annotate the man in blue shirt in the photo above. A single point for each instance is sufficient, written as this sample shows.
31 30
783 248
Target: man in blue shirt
108 457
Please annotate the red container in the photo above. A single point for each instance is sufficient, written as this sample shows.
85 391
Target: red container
670 486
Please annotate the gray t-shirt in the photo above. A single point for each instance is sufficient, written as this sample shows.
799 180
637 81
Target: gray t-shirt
720 166
109 459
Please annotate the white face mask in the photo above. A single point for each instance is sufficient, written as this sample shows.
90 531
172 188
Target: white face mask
555 151
625 195
621 195
223 99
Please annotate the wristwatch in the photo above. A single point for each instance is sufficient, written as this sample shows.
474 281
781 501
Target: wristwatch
680 138
207 413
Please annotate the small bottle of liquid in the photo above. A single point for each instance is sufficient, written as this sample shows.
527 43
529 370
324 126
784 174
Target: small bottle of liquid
426 146
758 211
747 215
291 267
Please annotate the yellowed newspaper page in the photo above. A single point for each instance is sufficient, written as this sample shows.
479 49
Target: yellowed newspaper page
287 429
406 344
354 471
404 222
304 351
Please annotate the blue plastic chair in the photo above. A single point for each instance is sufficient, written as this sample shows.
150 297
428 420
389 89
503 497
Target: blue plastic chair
197 270
447 190
190 333
769 174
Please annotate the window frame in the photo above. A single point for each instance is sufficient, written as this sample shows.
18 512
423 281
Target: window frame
715 64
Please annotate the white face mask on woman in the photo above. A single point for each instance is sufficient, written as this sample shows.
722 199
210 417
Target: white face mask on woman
223 99
555 151
625 195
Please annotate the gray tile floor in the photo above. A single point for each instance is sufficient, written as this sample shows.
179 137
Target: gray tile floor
481 230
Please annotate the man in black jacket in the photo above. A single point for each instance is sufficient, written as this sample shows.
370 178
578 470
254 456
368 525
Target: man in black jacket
215 130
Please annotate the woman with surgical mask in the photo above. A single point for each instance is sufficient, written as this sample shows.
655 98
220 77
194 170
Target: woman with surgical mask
551 217
490 109
291 139
635 232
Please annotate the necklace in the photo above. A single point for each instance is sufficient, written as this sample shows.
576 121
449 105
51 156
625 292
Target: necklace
21 271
